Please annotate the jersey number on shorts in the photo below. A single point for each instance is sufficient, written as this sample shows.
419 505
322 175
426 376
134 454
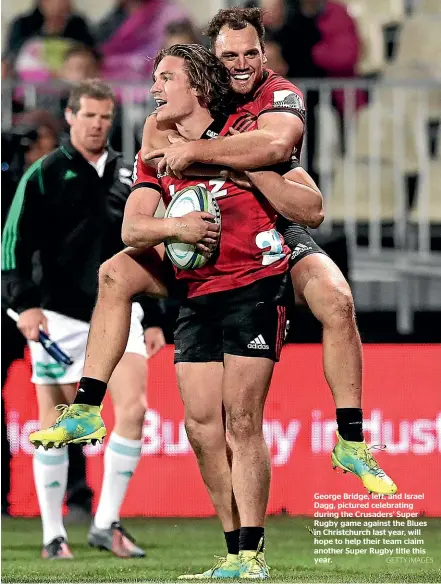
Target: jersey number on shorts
272 240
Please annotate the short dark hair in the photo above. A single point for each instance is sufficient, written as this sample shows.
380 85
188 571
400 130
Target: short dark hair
183 27
237 19
94 88
80 49
205 72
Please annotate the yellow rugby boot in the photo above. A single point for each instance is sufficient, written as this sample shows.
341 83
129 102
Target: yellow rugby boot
77 424
356 457
253 565
224 568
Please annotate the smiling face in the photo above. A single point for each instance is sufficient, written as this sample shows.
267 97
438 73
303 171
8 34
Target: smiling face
91 125
242 54
175 98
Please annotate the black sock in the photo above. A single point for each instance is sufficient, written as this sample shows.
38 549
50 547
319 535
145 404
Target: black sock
350 424
232 539
90 391
250 537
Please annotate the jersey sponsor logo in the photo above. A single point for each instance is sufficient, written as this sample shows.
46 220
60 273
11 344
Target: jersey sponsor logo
288 99
212 134
299 249
70 174
258 343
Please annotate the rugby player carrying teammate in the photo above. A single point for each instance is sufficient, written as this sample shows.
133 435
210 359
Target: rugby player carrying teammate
270 119
228 303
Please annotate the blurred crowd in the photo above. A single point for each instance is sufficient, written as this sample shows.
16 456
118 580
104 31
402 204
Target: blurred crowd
53 43
53 47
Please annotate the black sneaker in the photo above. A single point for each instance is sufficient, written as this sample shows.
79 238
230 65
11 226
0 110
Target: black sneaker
115 539
57 549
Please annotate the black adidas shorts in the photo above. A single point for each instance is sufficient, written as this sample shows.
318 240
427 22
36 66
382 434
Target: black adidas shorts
299 240
248 321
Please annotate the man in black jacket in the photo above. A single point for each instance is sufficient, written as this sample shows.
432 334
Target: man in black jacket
69 207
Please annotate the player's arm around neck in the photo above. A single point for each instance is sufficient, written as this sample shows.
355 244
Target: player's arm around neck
295 195
273 142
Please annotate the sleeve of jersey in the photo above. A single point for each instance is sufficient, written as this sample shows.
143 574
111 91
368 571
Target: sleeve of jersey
144 176
282 96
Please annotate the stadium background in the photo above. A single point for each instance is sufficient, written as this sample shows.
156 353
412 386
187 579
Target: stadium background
383 227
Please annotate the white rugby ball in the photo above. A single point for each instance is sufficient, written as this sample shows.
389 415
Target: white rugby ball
185 256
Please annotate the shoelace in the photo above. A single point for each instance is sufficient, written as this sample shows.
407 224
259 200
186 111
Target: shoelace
64 409
368 458
220 560
259 560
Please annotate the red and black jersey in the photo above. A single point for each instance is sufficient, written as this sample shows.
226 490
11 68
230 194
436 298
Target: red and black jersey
250 248
274 94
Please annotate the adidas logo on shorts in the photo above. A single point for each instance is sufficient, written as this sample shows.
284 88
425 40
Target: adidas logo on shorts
258 343
300 248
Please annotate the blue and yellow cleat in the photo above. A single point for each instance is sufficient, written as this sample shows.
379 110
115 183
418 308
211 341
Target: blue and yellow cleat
355 457
253 565
78 424
224 568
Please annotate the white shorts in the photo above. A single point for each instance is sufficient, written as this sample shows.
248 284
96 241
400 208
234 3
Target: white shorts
71 335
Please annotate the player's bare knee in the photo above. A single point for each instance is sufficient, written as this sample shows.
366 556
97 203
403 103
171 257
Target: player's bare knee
243 424
131 412
203 433
109 276
339 308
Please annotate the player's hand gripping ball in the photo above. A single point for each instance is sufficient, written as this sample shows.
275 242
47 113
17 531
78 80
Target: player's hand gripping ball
185 256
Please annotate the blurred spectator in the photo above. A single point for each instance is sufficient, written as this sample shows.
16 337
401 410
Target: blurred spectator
37 41
47 129
273 52
181 32
80 62
130 36
7 69
319 39
50 18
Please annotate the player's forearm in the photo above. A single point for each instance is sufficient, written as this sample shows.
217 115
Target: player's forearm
243 151
143 231
208 170
294 201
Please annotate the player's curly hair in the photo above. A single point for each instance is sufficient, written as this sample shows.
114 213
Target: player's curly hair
206 74
237 19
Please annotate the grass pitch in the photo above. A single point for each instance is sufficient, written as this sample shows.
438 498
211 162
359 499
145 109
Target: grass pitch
176 546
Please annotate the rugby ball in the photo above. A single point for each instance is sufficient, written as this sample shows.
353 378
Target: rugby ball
185 256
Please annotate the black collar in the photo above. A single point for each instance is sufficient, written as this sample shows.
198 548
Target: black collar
73 154
215 128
